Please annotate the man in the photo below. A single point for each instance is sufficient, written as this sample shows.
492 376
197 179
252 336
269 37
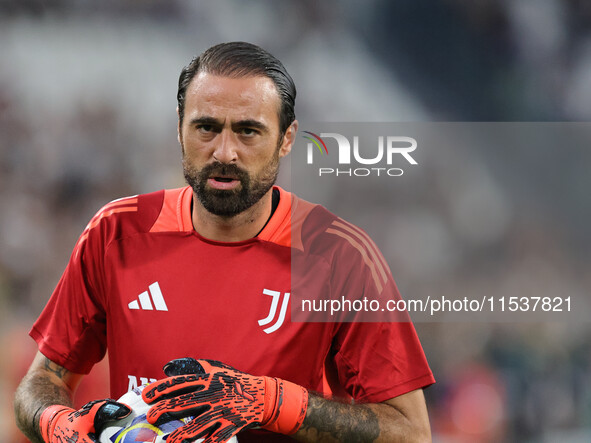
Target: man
188 272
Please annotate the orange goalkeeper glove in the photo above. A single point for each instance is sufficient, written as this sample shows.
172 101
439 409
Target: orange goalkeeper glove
223 401
59 423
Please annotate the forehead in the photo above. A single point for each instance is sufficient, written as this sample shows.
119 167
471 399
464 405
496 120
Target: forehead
252 97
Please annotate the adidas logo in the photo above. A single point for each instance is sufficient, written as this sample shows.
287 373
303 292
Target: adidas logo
144 301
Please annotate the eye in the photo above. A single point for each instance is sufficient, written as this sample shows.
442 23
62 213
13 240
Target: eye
248 132
204 128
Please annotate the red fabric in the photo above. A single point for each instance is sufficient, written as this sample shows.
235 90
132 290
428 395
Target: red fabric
215 300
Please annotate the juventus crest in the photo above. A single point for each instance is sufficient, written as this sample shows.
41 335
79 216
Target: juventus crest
278 309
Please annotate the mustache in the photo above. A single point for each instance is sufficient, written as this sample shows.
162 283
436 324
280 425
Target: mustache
222 169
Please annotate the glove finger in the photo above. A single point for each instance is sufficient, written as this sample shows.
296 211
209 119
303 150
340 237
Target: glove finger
222 434
110 410
183 366
214 365
173 386
164 412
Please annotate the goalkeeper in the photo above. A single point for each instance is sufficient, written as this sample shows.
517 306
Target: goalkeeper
198 280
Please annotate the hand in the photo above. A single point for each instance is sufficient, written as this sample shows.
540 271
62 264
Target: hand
62 424
223 401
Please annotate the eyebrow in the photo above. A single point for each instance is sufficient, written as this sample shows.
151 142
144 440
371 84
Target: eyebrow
205 121
246 123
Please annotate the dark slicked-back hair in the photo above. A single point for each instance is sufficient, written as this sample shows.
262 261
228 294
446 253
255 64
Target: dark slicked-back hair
241 59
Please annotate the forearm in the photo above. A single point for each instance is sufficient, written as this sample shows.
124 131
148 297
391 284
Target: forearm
331 421
41 387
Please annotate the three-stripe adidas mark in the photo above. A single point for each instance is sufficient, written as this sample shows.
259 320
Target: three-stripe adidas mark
145 302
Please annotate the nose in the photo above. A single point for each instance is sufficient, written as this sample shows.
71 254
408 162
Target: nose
225 150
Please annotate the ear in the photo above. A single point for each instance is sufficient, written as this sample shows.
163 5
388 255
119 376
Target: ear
288 139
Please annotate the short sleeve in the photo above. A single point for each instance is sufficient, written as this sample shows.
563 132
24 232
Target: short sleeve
379 361
71 329
376 353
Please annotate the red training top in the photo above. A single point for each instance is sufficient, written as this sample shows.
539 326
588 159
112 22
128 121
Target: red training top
144 285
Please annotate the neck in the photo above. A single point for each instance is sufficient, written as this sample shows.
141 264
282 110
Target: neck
239 227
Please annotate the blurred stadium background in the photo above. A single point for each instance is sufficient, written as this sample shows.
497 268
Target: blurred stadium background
87 99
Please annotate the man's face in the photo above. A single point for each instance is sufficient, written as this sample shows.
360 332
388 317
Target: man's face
230 141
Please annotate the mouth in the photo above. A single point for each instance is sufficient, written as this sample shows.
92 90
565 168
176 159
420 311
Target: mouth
223 182
223 179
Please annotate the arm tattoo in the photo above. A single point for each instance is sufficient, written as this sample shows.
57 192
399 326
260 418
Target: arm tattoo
333 421
55 368
37 391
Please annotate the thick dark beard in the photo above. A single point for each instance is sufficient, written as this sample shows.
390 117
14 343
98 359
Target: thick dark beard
228 203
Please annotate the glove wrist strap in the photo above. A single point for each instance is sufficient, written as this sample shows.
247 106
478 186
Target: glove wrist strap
286 404
48 420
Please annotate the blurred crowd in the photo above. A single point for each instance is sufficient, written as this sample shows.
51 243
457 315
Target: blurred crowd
87 115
